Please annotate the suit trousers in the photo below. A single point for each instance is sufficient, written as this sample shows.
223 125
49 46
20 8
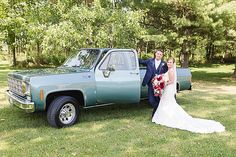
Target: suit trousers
153 100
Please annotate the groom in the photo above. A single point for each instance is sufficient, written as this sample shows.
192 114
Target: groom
154 66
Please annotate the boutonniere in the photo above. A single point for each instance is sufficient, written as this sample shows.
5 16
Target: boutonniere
162 64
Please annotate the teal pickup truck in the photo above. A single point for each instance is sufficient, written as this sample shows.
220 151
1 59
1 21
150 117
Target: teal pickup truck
90 78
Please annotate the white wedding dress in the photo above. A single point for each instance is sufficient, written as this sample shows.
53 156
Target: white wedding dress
171 114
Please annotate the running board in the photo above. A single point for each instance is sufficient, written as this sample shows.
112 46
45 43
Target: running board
108 104
98 105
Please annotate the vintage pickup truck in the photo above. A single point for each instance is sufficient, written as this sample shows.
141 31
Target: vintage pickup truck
90 78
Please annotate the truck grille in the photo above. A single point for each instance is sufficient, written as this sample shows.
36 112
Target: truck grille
15 86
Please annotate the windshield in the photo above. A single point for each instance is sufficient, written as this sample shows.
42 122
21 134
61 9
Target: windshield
85 59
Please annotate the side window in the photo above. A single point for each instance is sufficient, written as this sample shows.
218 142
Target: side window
104 65
120 61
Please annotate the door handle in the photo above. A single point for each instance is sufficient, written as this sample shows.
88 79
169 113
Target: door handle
134 73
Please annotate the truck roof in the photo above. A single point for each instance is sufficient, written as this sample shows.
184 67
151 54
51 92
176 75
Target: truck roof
104 49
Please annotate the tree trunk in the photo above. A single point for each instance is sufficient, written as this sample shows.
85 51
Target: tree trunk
185 60
170 53
193 57
234 71
89 2
180 61
38 48
146 48
13 49
184 57
11 43
37 59
111 38
210 49
208 52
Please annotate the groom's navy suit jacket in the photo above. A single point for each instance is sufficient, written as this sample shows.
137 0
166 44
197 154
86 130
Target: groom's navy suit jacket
150 73
151 70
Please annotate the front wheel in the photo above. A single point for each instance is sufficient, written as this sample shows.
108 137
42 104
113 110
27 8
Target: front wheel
63 112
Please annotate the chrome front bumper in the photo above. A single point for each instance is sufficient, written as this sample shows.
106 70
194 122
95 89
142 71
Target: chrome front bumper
20 102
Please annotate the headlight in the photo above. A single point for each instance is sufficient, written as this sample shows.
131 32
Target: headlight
26 88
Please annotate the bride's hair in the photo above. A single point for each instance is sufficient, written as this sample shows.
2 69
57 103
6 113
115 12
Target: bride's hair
171 58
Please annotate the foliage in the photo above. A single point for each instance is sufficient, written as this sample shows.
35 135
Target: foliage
191 30
60 28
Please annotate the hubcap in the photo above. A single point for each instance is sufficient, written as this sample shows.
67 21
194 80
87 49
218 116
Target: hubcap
67 113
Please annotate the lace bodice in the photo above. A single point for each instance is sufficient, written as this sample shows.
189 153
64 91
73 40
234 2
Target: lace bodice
169 90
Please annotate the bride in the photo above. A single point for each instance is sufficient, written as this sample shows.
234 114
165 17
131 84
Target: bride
170 114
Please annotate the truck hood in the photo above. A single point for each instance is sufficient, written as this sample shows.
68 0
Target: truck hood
27 74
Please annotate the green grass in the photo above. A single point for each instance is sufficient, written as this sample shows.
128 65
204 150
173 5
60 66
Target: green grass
127 130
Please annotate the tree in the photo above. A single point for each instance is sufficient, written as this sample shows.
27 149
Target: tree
93 26
13 26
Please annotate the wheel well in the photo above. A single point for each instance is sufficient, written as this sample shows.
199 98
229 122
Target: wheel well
78 95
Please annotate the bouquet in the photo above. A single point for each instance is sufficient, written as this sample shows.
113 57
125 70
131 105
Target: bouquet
158 84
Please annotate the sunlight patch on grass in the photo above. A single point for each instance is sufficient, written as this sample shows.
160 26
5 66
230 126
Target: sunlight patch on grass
97 127
3 100
208 98
216 68
74 129
172 147
225 134
223 109
36 140
4 62
4 145
231 143
232 117
4 69
231 90
202 113
127 121
130 149
212 112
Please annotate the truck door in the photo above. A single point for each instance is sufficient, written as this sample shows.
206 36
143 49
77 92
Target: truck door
117 77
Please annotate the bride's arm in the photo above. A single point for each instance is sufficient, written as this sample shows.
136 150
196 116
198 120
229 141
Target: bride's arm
171 77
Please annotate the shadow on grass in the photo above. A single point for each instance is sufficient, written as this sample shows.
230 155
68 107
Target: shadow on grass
116 111
219 77
16 119
13 118
210 65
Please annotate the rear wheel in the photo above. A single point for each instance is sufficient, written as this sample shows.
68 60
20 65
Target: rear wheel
177 87
190 88
63 112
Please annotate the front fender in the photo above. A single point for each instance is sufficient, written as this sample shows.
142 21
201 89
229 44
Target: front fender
77 94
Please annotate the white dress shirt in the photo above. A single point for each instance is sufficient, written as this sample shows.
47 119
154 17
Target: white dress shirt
157 63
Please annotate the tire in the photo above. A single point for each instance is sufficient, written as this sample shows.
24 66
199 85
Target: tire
63 112
177 88
190 88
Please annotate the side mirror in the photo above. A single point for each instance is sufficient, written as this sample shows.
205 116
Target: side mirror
107 72
111 67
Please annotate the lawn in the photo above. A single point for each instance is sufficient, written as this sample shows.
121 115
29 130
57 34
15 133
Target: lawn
127 130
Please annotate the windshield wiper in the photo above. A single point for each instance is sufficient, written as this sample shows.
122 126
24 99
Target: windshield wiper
75 66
